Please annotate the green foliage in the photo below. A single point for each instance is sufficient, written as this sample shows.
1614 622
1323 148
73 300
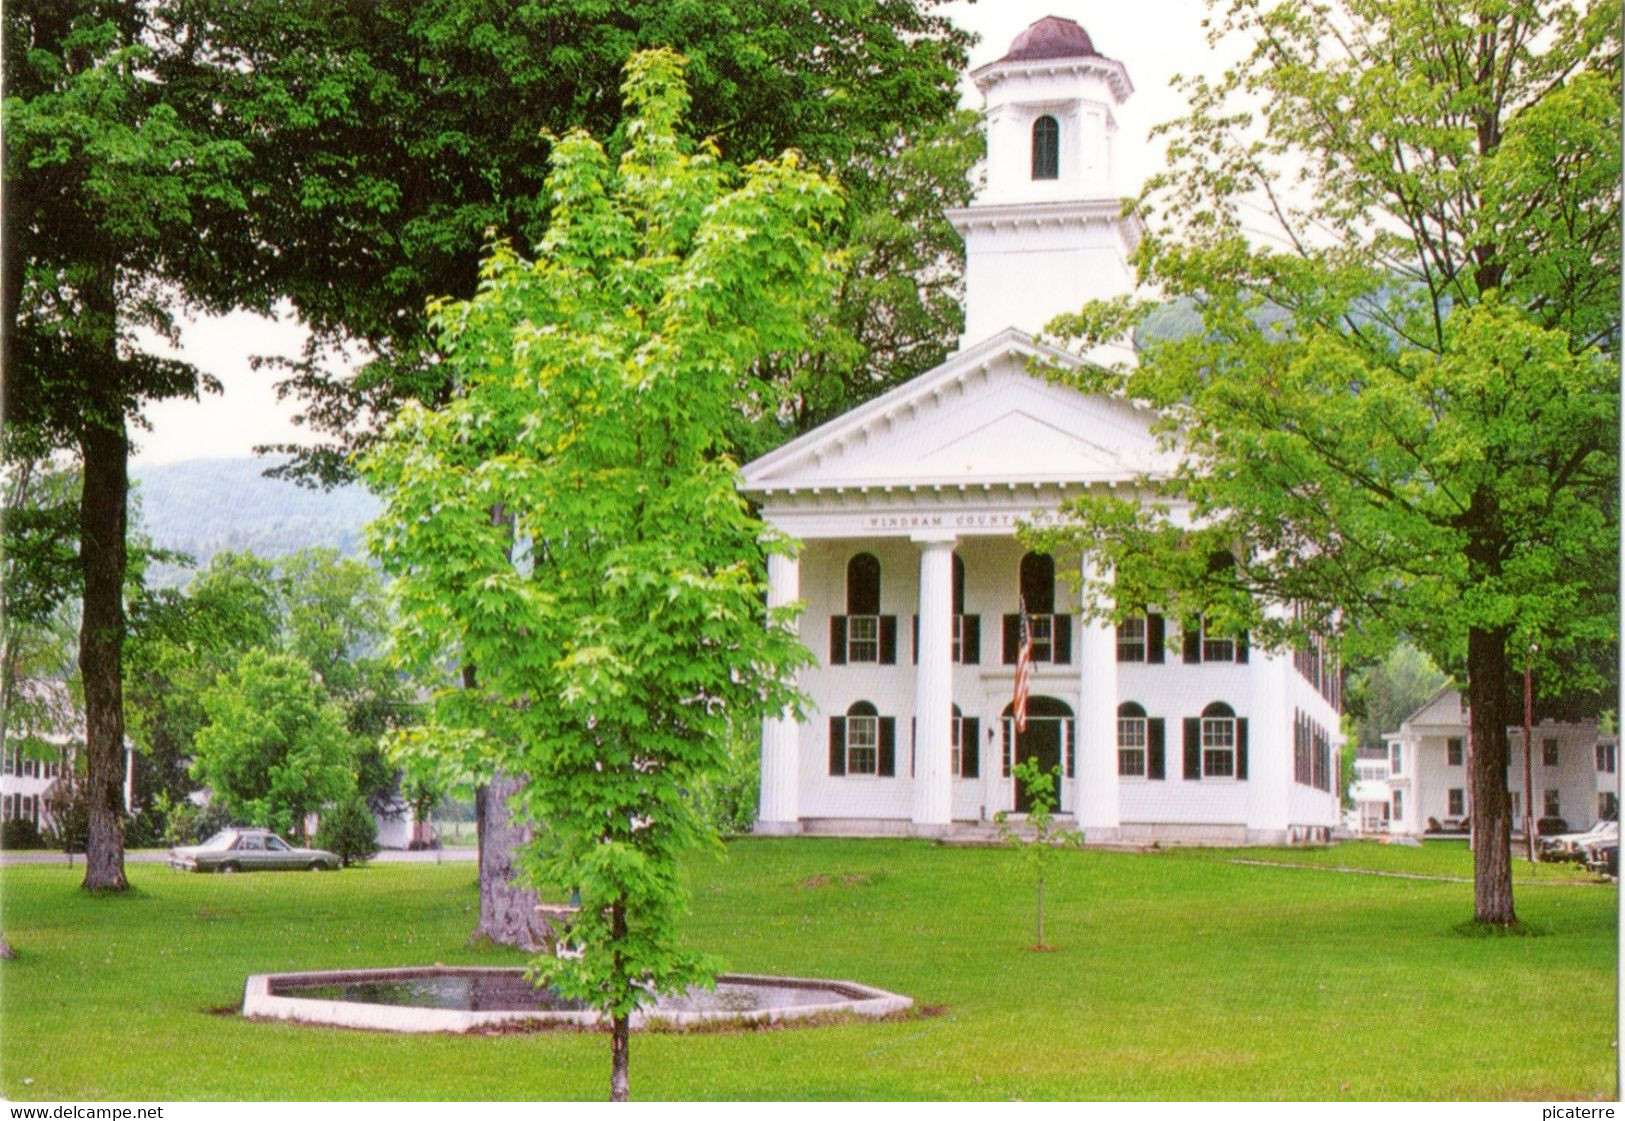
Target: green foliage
727 798
323 610
1038 837
349 831
1383 695
1400 415
613 612
274 748
20 833
405 170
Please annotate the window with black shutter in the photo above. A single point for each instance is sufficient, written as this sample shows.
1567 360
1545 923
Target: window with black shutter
1133 740
863 634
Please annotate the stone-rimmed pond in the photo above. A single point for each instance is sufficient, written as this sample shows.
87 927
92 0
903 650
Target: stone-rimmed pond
466 998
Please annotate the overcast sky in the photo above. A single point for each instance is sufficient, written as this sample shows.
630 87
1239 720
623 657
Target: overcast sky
1154 39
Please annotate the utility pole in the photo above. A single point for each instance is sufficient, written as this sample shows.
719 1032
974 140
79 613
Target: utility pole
1528 751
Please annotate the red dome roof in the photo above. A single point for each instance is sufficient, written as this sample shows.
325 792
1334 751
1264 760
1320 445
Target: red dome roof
1051 37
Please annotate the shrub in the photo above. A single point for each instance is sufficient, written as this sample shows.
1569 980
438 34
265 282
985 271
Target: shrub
20 833
349 832
1550 826
727 798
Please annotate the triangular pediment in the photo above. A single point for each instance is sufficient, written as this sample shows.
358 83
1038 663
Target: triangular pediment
981 418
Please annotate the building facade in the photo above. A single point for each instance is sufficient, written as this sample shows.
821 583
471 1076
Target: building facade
913 579
1574 767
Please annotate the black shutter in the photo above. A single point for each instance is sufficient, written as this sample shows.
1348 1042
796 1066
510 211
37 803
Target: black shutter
1241 748
1156 634
837 640
1012 638
1069 765
888 746
913 745
1193 645
970 747
1156 748
1193 748
837 745
1241 647
970 640
1063 640
888 640
916 639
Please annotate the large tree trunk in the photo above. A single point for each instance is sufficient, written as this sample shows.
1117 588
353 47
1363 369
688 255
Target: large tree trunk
508 914
103 503
1492 810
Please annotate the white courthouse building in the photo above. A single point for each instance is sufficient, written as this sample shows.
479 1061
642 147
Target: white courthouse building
907 509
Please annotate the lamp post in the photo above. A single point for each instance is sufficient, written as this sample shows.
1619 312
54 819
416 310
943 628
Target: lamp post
1528 752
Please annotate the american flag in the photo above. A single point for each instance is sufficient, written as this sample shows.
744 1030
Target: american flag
1024 669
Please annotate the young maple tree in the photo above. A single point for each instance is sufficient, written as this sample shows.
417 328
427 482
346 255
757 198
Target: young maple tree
1397 223
614 619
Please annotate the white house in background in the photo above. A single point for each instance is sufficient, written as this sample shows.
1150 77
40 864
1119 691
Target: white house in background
907 508
1575 770
1370 792
34 759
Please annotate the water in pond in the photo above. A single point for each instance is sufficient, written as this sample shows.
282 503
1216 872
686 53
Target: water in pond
511 992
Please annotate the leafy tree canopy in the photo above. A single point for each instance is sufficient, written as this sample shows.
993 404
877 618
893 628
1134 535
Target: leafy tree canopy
614 614
274 748
383 113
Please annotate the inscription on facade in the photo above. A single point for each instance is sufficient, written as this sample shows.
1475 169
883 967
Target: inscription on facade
961 521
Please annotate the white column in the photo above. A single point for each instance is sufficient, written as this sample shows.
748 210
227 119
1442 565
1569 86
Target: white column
934 689
1095 795
781 756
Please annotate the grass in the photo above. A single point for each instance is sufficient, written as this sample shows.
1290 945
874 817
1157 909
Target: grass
1179 975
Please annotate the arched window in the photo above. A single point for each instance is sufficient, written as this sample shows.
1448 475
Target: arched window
863 742
1051 634
1046 148
1218 741
863 634
1131 740
863 585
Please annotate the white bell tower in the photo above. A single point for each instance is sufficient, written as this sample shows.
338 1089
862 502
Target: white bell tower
1046 233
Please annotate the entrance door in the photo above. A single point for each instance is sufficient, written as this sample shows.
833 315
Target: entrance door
1044 741
1041 742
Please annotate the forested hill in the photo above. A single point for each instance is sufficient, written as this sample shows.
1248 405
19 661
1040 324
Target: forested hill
205 506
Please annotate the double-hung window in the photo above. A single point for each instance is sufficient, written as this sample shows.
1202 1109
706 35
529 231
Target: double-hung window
1454 751
1131 639
1218 746
1133 741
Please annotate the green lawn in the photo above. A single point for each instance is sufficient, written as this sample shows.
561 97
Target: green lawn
1180 975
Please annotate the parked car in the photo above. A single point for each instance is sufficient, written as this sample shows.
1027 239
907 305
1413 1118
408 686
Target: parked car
1574 846
249 850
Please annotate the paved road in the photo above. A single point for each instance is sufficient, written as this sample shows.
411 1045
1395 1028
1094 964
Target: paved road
156 856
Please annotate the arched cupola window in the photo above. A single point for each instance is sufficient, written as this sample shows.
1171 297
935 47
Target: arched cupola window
1046 148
